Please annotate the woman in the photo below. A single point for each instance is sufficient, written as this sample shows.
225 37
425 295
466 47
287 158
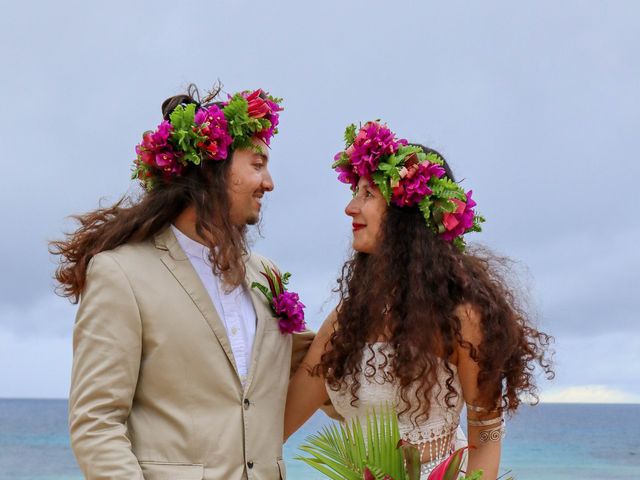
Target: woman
422 323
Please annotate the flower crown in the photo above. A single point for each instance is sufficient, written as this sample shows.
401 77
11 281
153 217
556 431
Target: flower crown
408 177
196 133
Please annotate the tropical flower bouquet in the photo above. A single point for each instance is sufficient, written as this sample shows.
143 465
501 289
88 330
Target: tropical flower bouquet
345 452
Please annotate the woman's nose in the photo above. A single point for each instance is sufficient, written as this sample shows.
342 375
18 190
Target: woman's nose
352 208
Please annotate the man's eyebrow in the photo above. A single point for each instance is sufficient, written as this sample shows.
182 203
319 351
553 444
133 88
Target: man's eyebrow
263 156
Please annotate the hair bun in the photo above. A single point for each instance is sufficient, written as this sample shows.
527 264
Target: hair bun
170 104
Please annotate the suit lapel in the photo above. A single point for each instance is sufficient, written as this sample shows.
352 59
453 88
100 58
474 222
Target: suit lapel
179 265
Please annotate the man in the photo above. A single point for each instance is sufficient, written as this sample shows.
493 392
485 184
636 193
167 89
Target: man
180 369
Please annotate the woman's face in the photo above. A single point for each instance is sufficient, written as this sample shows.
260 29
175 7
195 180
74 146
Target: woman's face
367 209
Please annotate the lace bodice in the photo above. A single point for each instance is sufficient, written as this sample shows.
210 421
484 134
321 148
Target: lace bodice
435 435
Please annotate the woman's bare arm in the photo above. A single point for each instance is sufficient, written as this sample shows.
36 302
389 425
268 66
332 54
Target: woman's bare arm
484 420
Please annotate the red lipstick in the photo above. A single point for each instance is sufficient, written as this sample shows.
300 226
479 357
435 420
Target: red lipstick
358 226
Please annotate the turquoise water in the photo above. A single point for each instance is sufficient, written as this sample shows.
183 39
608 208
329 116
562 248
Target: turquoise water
547 442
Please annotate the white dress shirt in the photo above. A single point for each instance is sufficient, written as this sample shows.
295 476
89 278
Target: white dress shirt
234 308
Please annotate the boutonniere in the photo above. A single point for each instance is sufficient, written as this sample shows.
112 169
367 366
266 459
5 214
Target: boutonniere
284 304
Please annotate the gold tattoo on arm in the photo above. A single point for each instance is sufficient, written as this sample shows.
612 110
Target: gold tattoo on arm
495 434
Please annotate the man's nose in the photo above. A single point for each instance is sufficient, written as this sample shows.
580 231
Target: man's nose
267 181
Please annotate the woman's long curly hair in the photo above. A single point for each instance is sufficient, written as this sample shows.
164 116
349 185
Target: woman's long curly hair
410 293
138 220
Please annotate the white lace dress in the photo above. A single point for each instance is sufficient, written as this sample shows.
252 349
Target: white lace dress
437 436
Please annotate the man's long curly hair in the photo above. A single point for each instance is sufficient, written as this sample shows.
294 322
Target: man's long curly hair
410 292
138 220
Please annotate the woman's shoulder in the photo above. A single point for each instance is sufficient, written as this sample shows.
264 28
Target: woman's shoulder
469 315
330 324
471 329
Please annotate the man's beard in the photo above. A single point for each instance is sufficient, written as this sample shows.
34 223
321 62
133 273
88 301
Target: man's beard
253 219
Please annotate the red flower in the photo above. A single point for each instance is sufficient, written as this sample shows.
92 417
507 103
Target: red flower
368 475
258 107
459 221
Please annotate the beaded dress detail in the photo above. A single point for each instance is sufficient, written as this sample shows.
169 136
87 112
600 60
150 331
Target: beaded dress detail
436 437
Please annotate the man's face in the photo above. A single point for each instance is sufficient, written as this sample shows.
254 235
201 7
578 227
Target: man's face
249 178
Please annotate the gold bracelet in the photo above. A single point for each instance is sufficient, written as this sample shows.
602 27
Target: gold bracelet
478 409
484 423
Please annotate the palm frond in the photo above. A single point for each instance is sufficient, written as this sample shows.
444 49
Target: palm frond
344 451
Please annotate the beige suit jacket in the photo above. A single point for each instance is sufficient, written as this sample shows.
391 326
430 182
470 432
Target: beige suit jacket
155 392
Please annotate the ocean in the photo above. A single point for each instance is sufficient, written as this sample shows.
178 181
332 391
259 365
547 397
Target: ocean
546 442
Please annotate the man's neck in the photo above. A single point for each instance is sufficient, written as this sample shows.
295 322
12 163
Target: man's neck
186 223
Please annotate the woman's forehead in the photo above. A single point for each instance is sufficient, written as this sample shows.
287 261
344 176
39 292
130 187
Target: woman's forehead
363 182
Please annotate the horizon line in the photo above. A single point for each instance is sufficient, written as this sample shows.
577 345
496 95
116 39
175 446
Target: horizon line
523 404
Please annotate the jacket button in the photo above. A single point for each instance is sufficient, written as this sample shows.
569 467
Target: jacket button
250 464
246 403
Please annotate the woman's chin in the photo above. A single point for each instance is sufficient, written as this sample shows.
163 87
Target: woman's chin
360 248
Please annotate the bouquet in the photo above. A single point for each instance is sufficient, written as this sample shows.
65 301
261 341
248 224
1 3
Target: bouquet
344 452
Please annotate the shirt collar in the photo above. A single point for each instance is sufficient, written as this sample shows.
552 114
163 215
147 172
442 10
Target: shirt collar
191 247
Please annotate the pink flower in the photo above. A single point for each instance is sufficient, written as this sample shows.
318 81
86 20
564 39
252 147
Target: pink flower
156 151
164 159
346 173
146 156
413 186
458 222
260 105
172 170
156 140
161 135
290 309
274 118
167 161
213 125
373 141
449 468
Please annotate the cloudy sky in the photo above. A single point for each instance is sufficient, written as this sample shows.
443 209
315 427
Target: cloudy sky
535 105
